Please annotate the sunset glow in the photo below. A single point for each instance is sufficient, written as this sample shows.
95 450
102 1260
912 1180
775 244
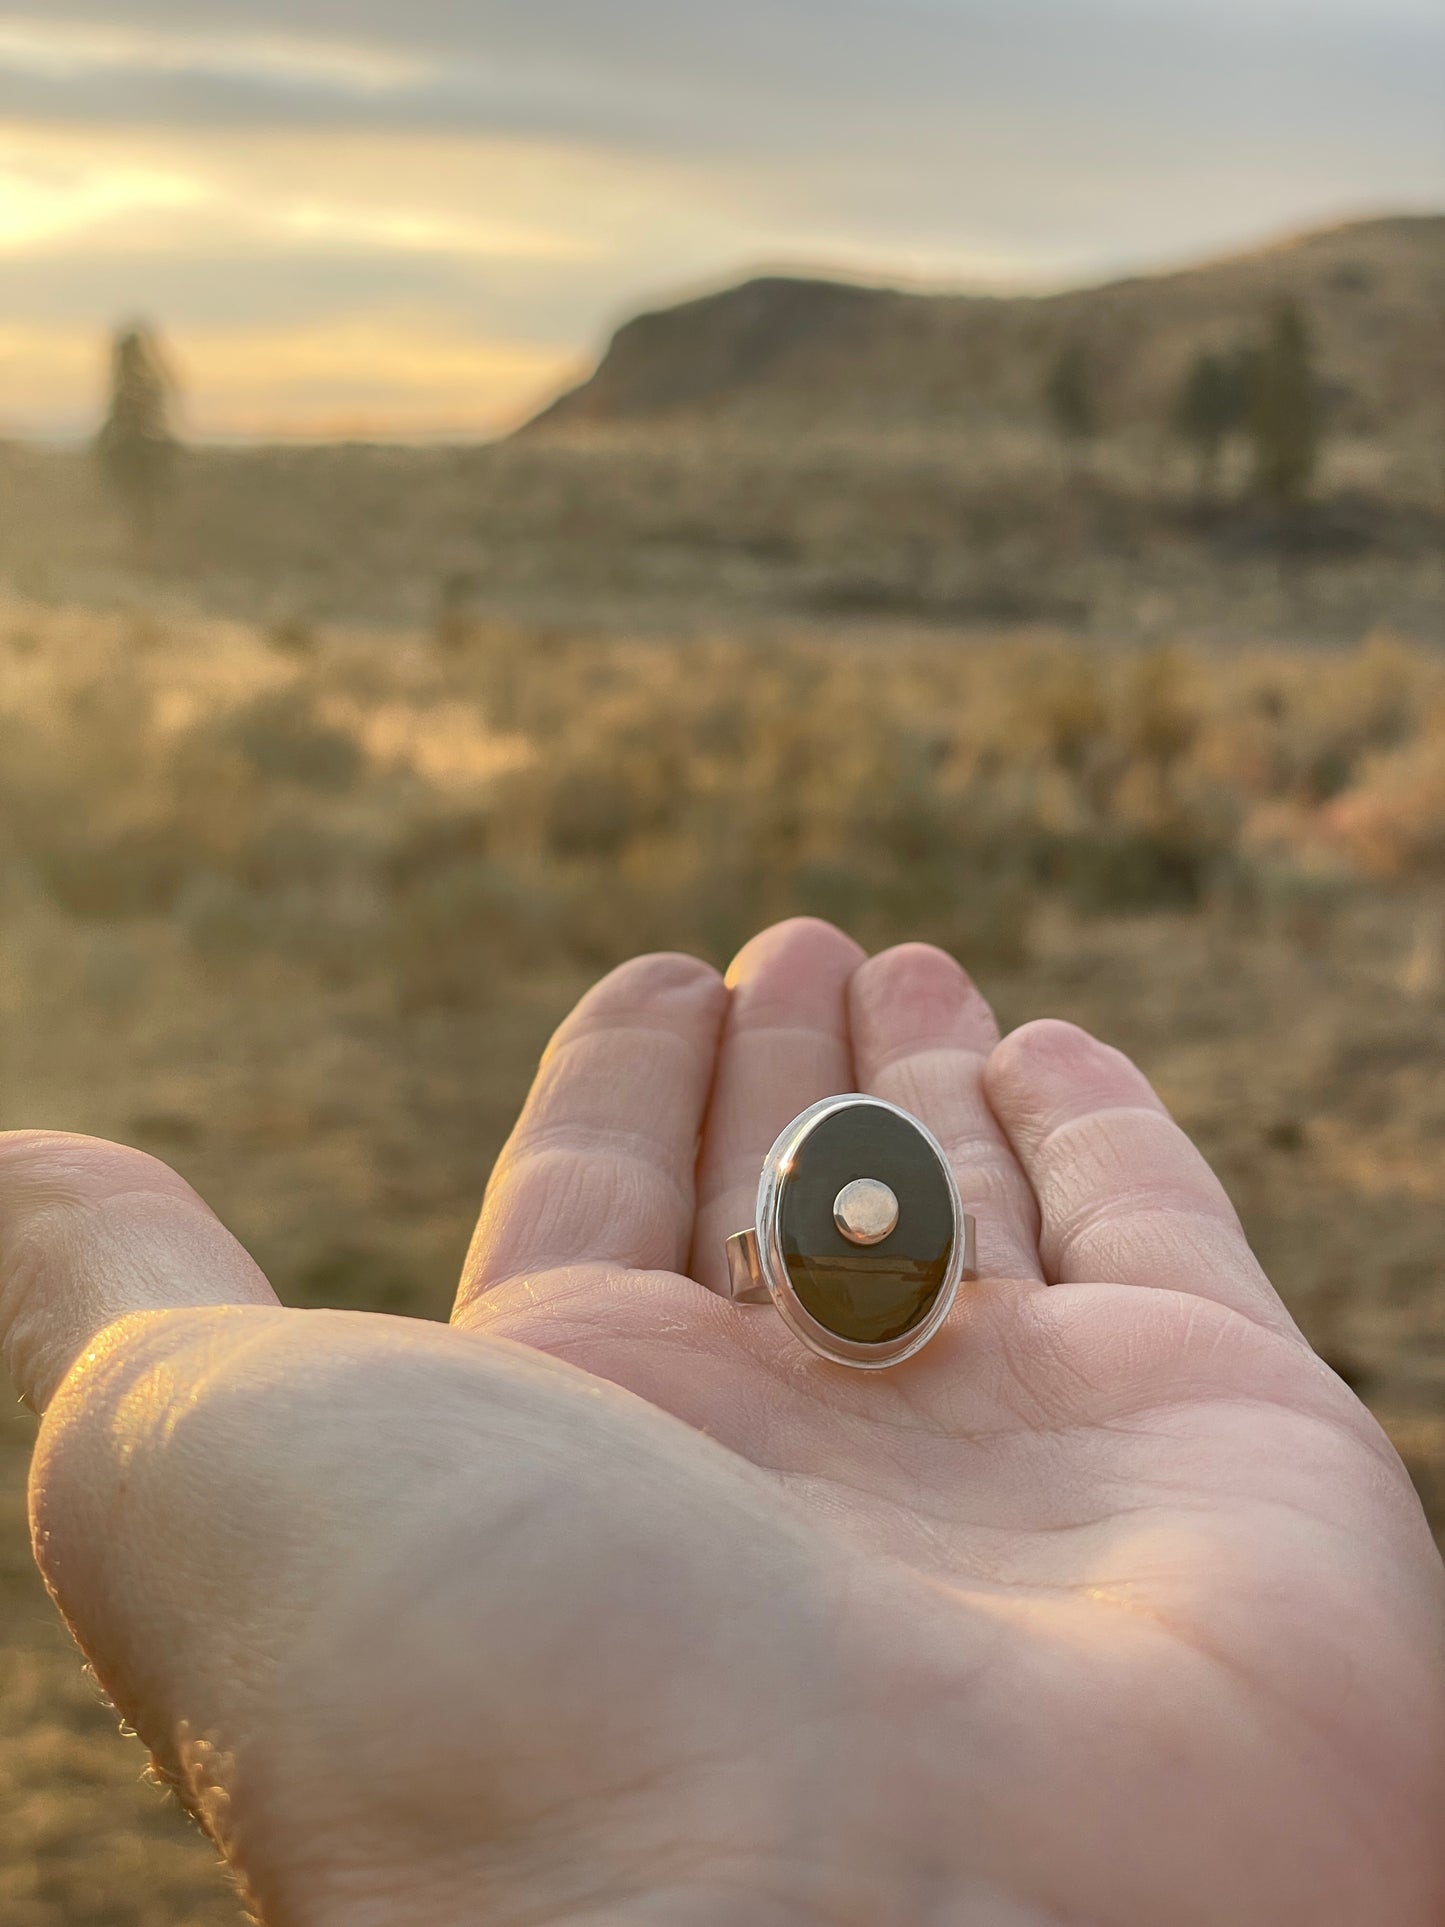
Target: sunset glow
421 225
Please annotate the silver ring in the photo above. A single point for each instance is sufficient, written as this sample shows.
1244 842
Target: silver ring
860 1239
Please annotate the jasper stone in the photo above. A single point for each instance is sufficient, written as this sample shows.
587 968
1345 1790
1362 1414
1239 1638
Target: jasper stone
882 1292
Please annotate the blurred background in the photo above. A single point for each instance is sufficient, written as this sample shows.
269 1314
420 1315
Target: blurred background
486 488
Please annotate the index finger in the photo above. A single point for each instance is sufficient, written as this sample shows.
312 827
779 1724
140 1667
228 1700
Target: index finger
600 1165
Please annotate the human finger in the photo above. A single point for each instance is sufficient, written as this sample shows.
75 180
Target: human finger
922 1033
1124 1196
90 1232
600 1167
784 1046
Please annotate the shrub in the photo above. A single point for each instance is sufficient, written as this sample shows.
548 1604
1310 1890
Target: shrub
282 737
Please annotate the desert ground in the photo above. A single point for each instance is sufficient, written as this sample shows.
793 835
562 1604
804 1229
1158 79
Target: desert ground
294 906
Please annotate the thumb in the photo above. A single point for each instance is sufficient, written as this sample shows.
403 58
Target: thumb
92 1232
330 1565
106 1259
423 1626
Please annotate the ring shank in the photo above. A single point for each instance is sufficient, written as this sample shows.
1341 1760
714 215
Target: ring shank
747 1284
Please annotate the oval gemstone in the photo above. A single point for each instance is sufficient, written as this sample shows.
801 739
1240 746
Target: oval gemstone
881 1292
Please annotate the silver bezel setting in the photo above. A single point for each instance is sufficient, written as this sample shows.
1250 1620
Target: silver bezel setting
827 1344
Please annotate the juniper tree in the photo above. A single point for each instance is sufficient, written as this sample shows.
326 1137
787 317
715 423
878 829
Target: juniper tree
1284 420
137 446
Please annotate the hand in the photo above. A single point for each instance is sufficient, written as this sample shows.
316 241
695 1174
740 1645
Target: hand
611 1604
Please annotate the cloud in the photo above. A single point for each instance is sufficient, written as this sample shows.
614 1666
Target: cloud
908 79
49 208
515 175
58 49
181 196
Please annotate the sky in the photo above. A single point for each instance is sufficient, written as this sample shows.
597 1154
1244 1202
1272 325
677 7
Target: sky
369 217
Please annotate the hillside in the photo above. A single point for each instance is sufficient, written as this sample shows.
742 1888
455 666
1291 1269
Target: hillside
805 450
813 353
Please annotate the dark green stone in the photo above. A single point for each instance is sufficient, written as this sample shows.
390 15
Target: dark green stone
887 1290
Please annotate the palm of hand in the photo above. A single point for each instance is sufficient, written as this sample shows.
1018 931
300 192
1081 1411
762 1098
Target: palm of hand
1111 1607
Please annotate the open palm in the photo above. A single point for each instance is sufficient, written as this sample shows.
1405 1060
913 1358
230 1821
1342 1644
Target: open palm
611 1604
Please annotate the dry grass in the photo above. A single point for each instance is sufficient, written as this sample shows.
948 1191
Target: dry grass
989 530
294 908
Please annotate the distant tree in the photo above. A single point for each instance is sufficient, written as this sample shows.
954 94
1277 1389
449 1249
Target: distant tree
1284 419
1069 394
137 444
1206 412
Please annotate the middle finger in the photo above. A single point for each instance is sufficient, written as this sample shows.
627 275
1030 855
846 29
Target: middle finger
784 1046
921 1035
